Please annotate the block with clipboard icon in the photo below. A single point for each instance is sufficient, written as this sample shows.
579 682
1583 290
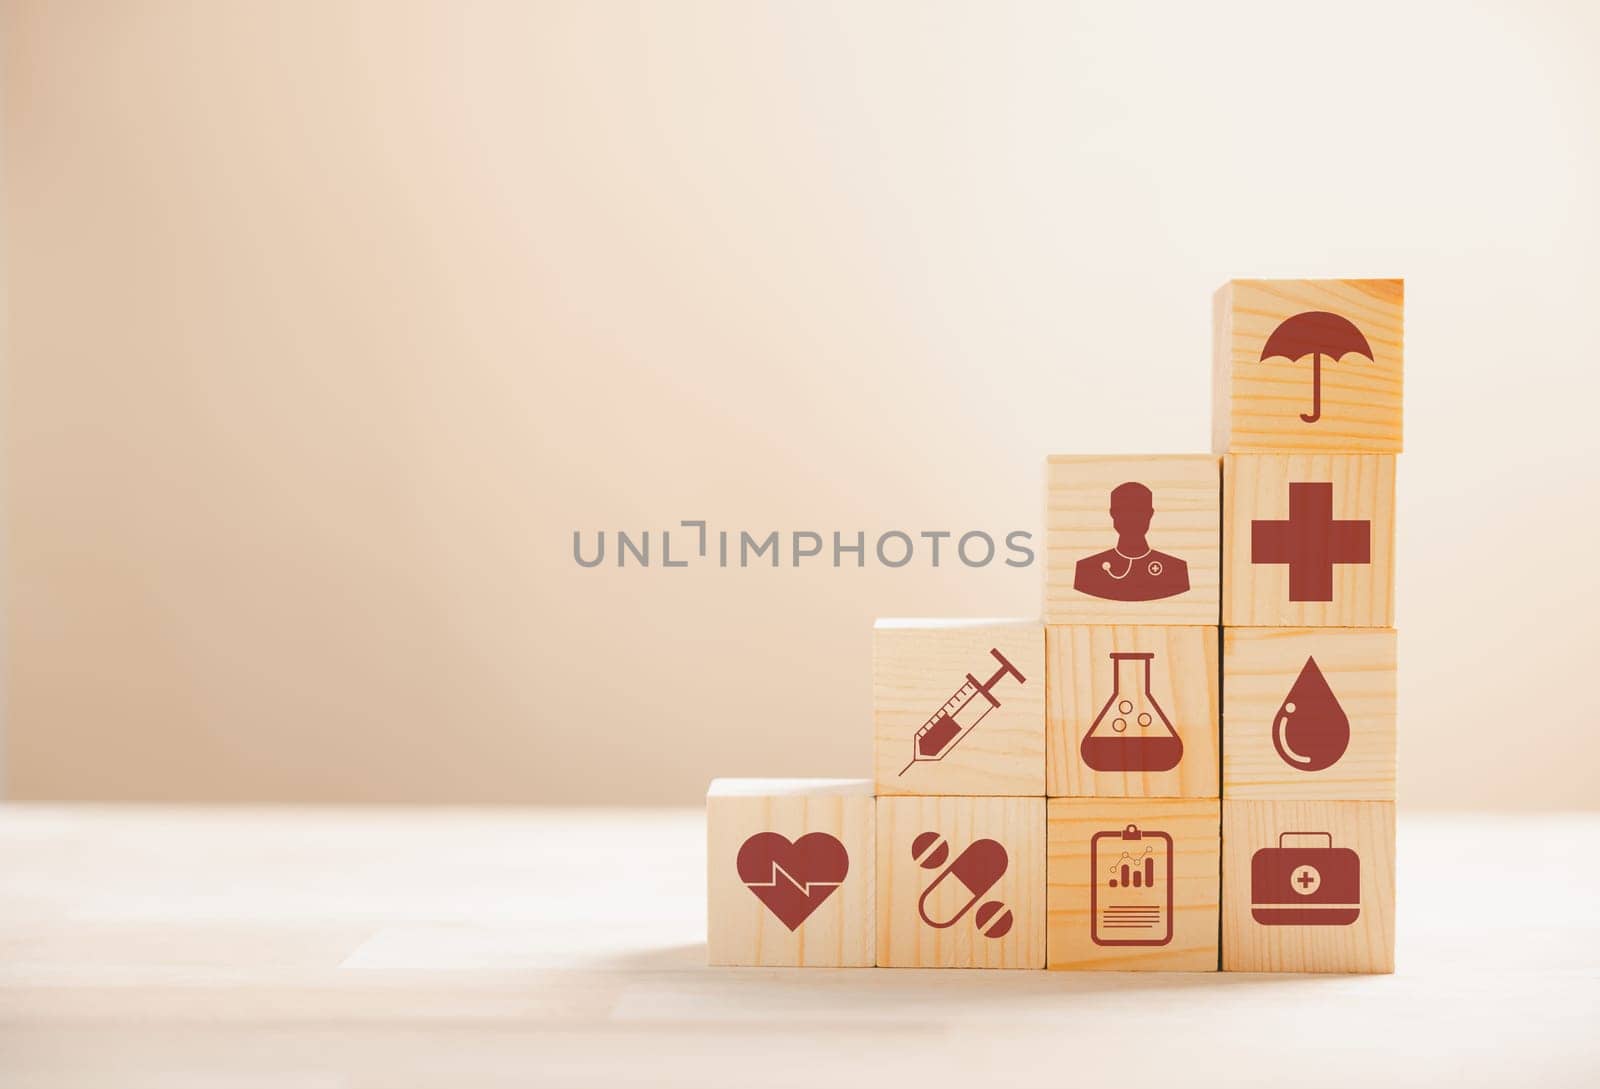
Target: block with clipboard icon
1130 897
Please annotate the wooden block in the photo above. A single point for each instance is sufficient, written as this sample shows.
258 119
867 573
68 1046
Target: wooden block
1309 713
961 882
1103 737
1132 540
1308 540
790 872
958 706
1133 884
1308 365
1307 886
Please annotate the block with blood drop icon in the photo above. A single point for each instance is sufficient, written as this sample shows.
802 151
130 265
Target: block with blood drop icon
1309 713
961 882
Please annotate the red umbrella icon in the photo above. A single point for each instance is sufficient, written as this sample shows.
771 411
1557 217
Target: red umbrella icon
1316 333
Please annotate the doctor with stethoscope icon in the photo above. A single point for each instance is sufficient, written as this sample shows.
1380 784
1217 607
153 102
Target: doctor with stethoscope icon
1132 571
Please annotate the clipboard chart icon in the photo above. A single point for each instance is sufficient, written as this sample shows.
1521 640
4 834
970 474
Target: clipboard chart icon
1130 888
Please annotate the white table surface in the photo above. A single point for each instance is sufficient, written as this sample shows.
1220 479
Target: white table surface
455 947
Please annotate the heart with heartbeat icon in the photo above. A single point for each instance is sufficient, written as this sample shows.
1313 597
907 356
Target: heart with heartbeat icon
792 878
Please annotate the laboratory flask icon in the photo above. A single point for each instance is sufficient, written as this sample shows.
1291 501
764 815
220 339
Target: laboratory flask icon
792 878
1310 730
951 723
1132 732
974 872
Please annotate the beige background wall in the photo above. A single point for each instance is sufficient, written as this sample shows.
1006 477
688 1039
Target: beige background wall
329 323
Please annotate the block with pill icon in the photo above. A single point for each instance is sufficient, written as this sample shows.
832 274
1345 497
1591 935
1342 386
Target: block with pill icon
1132 884
1308 366
1131 712
1307 886
1132 539
791 872
958 707
1309 713
961 882
1308 540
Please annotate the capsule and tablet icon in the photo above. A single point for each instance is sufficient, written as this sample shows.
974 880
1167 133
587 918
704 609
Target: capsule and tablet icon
975 871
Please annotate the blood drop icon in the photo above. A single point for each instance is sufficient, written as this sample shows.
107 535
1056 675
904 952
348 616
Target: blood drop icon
1311 731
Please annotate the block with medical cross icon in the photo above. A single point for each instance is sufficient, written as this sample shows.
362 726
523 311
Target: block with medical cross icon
1308 540
1308 365
790 873
1132 539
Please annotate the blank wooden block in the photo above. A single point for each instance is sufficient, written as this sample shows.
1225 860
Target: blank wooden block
966 699
1309 713
790 872
961 882
1133 884
1308 365
1095 679
1308 540
1132 540
1307 886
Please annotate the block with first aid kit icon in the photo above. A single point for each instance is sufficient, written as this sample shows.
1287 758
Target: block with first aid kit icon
790 872
1309 713
1131 883
1308 365
1131 712
1308 540
961 882
1132 540
1307 886
958 707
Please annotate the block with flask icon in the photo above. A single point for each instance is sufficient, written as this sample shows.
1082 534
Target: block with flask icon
1307 886
958 707
1132 883
1309 713
791 872
1132 539
1131 712
1308 540
1308 365
961 882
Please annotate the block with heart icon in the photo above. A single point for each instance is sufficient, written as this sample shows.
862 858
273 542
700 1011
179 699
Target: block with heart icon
961 882
1308 365
790 872
1308 540
1309 713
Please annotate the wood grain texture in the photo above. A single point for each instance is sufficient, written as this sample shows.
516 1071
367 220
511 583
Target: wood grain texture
1258 403
1261 666
1195 826
1080 678
1256 486
1185 525
918 665
904 939
1366 945
740 930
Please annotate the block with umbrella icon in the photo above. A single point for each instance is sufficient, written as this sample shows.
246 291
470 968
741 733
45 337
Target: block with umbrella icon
1308 365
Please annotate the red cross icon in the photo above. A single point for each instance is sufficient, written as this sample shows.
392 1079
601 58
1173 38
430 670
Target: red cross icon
1311 542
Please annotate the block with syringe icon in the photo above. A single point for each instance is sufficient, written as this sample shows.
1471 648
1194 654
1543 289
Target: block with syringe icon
958 707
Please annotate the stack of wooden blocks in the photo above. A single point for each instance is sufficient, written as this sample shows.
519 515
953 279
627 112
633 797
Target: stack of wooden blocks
1189 765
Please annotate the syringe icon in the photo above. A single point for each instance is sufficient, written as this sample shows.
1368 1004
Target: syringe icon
960 714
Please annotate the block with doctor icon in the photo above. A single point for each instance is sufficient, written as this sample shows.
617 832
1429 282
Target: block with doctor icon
1132 539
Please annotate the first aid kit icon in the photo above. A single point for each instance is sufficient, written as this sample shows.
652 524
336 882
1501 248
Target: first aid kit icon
1294 884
